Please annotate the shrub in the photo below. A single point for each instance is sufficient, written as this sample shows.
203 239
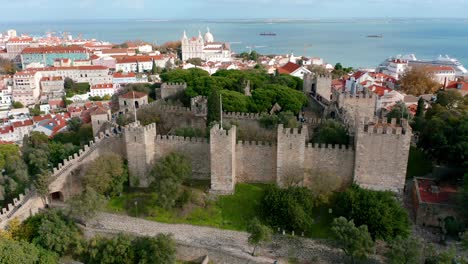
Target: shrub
380 211
290 208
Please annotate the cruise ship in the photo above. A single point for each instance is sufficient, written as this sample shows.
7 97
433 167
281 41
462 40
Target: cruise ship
460 70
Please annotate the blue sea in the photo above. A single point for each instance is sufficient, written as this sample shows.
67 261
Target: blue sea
339 40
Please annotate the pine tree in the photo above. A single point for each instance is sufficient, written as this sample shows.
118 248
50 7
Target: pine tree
420 109
214 107
154 68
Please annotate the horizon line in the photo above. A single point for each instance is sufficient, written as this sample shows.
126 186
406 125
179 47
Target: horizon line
277 19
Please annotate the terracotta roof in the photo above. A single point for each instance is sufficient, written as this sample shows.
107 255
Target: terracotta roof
455 84
54 49
22 123
379 90
110 51
40 118
6 129
124 75
131 95
52 78
430 192
98 111
358 74
289 68
102 86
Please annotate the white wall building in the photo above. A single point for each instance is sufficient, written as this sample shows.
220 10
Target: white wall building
102 90
205 48
396 68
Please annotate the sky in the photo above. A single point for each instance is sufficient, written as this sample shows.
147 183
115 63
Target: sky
37 10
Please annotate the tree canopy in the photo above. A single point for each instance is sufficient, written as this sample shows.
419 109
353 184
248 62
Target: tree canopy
331 132
168 176
106 175
444 130
419 80
356 242
379 211
259 234
266 90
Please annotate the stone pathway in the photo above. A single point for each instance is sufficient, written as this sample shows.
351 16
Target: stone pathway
232 243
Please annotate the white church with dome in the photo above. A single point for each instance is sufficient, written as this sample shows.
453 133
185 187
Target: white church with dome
205 48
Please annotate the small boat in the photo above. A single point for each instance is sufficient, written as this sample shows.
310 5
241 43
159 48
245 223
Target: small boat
375 36
267 34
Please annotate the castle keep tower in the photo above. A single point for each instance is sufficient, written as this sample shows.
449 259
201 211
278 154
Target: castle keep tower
140 147
223 159
382 151
290 154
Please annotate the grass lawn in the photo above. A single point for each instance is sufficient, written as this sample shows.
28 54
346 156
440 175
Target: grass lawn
419 164
232 212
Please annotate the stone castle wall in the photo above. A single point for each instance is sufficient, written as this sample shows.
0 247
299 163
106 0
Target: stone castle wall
382 152
330 160
196 149
255 162
169 90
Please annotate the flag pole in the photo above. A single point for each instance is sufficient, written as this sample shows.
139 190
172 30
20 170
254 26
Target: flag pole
221 110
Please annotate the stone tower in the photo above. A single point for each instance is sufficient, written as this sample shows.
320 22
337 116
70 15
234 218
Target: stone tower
382 151
290 155
140 147
223 159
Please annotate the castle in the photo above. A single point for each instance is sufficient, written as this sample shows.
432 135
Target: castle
376 159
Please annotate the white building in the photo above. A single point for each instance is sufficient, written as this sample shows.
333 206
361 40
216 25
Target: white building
26 87
294 70
205 48
6 89
443 74
141 63
396 68
102 90
145 48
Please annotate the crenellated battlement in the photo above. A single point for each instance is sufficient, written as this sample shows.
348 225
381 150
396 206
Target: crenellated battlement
182 140
326 147
174 85
217 131
237 115
292 132
380 126
255 143
11 208
358 97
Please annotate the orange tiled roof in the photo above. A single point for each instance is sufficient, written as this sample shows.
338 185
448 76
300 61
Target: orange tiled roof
288 68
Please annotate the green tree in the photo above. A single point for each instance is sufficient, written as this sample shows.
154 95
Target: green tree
106 175
58 152
74 124
154 68
195 61
258 234
379 211
399 111
331 132
85 205
290 208
57 233
168 176
42 183
13 252
108 251
450 99
6 151
68 84
17 105
355 242
214 107
158 249
404 251
7 67
421 107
